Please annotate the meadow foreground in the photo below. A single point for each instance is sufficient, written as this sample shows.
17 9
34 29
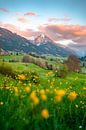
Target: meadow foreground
37 100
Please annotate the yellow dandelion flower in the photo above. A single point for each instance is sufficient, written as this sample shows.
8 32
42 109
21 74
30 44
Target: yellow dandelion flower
60 93
44 97
21 77
72 96
45 113
42 91
58 98
34 98
33 94
27 89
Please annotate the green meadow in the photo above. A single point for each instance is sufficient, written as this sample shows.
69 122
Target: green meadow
38 100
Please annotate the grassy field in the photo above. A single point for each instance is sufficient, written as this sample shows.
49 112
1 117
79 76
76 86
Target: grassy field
11 57
40 101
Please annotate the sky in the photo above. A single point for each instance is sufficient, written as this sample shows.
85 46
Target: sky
61 20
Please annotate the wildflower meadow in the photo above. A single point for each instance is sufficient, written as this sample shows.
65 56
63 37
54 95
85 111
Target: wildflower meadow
37 100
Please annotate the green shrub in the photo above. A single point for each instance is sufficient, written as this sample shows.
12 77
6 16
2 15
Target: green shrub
62 72
13 60
49 66
7 70
37 61
28 59
40 63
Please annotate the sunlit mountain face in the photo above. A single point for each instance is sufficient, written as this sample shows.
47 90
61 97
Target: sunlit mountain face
62 22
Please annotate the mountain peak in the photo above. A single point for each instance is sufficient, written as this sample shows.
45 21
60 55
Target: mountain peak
43 45
42 39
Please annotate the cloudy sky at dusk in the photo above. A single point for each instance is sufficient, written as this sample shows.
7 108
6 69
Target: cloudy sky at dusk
59 19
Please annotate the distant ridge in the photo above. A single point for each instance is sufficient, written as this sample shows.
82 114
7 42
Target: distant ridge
41 45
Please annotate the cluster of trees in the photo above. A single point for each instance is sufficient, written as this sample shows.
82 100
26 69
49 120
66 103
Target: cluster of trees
72 63
38 61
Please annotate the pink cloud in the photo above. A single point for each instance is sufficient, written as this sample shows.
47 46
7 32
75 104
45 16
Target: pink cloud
59 32
76 33
10 27
30 14
23 20
4 10
26 33
17 13
29 33
80 33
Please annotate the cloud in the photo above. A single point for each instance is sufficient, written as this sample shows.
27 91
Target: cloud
30 14
4 10
54 19
57 33
28 33
17 13
23 20
76 33
10 27
80 33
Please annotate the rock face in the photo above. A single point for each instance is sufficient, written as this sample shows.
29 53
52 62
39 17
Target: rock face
42 39
3 52
41 45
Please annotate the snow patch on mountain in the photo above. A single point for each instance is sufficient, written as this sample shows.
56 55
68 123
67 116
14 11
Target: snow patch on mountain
65 42
41 39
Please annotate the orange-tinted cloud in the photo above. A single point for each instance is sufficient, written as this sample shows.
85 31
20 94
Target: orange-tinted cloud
59 32
23 20
4 10
30 14
76 33
29 33
80 33
65 19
